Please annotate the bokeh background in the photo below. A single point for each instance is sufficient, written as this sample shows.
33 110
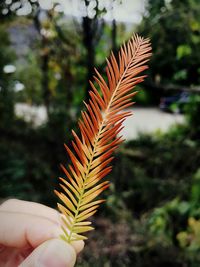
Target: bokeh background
47 53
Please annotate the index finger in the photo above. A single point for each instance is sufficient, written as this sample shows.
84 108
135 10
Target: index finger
32 208
23 230
28 223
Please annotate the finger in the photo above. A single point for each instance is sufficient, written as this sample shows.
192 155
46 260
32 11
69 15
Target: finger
15 205
32 208
78 245
20 230
52 253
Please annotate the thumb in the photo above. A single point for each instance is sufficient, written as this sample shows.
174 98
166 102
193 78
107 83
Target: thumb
52 253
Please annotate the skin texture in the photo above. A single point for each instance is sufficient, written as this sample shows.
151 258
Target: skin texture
29 237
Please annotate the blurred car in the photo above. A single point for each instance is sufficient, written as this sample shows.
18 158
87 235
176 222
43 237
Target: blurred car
176 103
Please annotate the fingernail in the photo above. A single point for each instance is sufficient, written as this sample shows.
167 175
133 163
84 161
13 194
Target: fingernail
57 253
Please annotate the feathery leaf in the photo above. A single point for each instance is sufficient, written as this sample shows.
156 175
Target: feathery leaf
99 128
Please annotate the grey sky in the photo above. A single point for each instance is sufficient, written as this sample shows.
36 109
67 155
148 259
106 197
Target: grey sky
128 11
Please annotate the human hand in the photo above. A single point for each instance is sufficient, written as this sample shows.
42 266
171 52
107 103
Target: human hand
29 237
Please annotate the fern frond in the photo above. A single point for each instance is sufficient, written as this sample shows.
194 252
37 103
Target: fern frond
99 126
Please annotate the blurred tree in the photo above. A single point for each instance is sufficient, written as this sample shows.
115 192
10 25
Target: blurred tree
193 118
114 25
174 29
55 46
92 27
7 68
92 30
30 75
9 9
47 23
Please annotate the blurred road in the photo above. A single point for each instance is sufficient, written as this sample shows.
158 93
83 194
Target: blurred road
149 120
143 120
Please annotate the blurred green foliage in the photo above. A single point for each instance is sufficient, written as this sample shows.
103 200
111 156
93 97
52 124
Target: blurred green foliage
193 109
7 57
174 28
29 75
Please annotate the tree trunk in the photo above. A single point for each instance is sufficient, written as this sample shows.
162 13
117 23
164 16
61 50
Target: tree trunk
45 80
44 62
90 57
114 36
